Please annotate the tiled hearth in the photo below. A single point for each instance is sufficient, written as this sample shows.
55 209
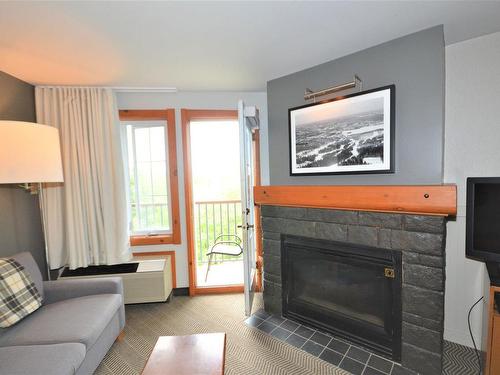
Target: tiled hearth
419 239
333 350
457 359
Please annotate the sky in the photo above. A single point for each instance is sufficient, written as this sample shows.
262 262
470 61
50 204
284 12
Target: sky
215 160
339 108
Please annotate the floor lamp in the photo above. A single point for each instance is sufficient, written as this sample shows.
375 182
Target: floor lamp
30 154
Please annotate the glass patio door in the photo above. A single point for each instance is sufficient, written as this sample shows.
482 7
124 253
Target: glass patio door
248 122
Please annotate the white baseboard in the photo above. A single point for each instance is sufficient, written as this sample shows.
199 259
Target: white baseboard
462 338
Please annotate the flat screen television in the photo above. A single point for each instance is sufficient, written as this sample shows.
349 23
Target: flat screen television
483 219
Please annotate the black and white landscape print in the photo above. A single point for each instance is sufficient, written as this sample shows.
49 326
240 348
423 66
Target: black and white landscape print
348 135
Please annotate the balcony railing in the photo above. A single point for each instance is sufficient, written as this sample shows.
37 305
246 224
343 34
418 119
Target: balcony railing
212 219
150 215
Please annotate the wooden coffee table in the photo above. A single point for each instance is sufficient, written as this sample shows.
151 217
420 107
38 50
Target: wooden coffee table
201 354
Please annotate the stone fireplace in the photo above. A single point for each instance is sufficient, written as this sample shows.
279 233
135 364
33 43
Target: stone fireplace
418 241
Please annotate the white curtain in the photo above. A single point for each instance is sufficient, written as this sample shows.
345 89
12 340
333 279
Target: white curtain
86 217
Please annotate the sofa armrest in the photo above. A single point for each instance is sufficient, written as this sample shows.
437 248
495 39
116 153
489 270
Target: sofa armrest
60 290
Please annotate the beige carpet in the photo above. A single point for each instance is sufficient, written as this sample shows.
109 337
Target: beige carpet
249 351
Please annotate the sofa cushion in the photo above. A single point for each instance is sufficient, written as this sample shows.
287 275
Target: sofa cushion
73 320
18 294
26 260
57 359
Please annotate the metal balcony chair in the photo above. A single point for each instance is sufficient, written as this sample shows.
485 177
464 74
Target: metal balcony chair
225 244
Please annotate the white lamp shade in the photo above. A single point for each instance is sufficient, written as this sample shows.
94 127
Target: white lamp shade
29 153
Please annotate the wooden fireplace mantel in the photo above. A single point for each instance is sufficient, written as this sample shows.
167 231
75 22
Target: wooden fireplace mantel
438 200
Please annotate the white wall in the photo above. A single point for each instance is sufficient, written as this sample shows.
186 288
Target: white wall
195 100
472 148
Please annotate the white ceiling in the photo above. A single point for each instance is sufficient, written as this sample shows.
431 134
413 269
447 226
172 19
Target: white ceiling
210 45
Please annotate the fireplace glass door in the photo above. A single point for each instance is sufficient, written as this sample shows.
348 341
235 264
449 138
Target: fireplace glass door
351 291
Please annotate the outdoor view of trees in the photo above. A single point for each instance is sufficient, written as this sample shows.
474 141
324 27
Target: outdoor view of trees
215 175
149 206
216 183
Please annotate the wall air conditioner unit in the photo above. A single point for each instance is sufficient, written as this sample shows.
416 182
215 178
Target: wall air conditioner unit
152 282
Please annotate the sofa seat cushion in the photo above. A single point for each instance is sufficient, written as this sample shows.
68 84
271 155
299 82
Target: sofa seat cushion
57 359
78 320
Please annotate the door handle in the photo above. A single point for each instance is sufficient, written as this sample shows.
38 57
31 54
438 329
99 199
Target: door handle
247 227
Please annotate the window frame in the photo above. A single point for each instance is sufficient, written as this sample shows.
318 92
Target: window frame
167 115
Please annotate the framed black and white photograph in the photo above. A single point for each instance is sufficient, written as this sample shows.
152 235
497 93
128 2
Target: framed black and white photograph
347 135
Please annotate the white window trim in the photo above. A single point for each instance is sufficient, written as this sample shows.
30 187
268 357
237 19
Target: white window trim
146 124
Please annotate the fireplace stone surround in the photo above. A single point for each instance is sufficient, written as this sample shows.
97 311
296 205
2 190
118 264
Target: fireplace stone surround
419 238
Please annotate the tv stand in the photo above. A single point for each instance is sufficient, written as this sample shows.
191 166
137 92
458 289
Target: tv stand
491 320
492 312
494 272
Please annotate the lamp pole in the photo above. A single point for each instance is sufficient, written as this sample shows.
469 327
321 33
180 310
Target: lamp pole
44 229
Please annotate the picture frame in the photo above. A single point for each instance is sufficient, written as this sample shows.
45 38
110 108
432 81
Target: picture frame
352 134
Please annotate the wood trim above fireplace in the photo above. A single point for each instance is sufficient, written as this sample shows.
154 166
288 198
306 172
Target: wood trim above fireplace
440 200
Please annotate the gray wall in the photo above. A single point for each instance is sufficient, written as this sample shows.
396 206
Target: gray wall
20 225
415 64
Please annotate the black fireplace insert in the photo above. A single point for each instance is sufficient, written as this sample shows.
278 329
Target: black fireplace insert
349 290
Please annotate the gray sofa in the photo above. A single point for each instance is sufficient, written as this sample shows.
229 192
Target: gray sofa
70 333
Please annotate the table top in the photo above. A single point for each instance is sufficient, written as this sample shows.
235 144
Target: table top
200 354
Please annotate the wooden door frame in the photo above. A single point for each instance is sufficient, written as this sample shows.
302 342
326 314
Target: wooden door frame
188 115
258 225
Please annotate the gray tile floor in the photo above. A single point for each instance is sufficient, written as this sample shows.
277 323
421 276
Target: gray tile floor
340 353
457 359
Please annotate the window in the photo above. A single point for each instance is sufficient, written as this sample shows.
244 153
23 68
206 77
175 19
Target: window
148 178
152 185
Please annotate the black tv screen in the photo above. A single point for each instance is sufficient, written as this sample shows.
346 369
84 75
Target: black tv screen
483 218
